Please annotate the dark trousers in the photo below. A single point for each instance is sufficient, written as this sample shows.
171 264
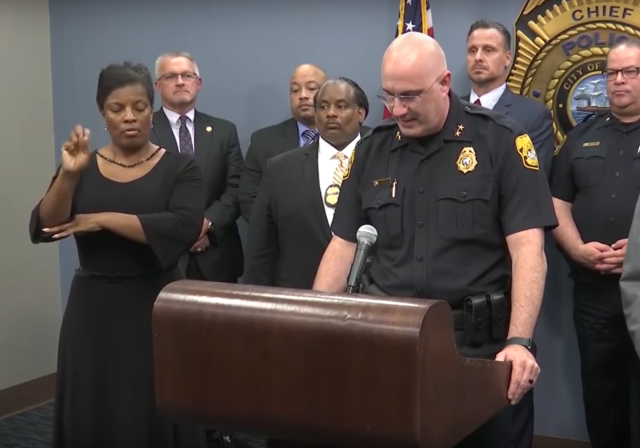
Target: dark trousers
193 271
522 422
608 364
496 432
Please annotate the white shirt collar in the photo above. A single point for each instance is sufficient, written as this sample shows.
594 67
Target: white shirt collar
489 99
174 118
326 151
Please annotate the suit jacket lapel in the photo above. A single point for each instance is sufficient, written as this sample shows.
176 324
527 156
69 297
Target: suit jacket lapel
203 128
504 103
312 185
163 132
290 134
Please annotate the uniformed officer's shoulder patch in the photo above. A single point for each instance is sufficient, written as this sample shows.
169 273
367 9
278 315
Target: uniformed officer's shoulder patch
525 148
347 172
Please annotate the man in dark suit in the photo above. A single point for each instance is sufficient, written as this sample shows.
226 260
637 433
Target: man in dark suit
294 132
177 126
290 222
488 57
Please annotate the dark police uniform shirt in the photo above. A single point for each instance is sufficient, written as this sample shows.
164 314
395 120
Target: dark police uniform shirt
458 194
597 169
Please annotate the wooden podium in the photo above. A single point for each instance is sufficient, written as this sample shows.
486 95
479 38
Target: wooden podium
311 369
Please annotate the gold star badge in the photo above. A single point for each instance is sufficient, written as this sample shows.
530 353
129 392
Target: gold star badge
208 129
458 131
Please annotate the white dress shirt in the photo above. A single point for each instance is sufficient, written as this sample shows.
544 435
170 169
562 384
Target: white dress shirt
174 120
327 166
489 99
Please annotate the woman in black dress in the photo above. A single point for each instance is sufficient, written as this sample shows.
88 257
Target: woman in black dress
133 209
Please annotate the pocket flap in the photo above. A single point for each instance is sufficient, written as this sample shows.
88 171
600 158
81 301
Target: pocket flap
376 197
466 191
587 153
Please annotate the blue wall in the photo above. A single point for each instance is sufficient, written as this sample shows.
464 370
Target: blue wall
246 51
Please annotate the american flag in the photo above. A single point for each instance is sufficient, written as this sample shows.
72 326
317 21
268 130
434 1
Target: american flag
414 15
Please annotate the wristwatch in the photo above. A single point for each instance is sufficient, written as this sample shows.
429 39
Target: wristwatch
209 227
525 342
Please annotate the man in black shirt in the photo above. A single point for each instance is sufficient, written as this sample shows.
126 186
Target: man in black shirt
595 183
446 184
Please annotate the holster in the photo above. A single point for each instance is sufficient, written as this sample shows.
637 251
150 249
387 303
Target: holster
476 317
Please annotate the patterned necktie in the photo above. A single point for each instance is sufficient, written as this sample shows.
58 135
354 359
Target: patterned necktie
309 136
477 101
186 144
340 169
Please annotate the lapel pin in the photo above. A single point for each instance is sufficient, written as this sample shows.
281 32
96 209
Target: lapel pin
208 129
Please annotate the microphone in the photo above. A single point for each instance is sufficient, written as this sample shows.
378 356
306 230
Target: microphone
367 236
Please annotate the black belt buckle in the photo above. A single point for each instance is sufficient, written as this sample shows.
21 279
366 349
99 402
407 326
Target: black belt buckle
476 315
499 315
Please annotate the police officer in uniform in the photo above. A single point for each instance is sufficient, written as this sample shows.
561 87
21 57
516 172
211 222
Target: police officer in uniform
460 205
595 183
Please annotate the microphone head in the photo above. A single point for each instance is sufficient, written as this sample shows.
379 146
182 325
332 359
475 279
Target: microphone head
367 234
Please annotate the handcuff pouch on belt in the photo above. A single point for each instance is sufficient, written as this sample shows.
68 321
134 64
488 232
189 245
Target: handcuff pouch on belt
485 318
499 315
476 319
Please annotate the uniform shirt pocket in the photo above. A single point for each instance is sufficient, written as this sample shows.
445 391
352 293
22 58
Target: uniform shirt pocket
464 209
588 166
385 213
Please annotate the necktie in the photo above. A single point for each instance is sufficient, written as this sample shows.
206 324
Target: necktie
309 136
477 101
186 144
339 171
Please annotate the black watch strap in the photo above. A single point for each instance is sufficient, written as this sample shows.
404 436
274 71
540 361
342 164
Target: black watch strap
525 342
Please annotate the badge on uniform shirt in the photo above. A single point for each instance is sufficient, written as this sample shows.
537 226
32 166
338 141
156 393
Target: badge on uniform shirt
590 144
331 195
467 160
524 145
347 172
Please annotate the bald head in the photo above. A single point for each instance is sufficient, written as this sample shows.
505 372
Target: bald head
308 70
416 51
305 81
416 84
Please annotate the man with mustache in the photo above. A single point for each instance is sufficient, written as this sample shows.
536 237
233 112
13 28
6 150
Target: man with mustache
294 132
291 218
595 183
488 58
178 126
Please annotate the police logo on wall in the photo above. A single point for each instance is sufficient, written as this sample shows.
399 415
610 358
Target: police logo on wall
560 54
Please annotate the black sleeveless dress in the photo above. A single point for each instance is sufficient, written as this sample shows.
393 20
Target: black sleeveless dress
105 388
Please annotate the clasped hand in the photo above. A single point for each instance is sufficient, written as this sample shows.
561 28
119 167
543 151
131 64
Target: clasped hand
524 370
78 225
203 239
603 258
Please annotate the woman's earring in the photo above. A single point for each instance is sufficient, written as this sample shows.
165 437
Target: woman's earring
105 125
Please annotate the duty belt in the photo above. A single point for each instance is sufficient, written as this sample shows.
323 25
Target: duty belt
483 318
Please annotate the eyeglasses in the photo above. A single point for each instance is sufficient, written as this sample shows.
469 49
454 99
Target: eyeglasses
171 77
627 73
389 100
